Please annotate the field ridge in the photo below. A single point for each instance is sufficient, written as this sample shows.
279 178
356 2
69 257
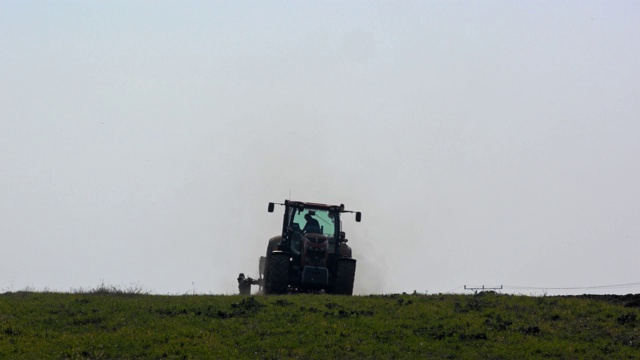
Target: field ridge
397 326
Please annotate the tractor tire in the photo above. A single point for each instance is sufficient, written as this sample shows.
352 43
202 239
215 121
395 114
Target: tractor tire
345 274
278 273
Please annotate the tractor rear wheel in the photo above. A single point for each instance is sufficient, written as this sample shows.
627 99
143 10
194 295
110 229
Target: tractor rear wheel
345 274
278 273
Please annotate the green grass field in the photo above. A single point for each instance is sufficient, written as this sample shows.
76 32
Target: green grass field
488 326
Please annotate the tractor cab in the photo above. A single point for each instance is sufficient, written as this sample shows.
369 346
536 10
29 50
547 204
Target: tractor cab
310 227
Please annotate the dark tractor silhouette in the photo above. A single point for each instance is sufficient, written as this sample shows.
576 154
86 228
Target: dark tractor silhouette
311 254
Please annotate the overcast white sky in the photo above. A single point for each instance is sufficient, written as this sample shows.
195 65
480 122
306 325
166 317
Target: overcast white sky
486 142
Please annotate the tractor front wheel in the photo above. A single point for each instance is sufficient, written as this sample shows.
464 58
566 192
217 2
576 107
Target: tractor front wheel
345 274
278 273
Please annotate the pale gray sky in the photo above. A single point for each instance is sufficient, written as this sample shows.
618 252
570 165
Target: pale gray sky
486 143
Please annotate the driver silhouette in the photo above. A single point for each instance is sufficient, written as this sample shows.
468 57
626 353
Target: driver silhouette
312 225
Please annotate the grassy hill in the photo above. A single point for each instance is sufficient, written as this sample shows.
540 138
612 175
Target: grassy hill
488 326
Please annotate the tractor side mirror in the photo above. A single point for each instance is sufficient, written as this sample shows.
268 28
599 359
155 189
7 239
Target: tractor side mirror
342 235
358 216
270 207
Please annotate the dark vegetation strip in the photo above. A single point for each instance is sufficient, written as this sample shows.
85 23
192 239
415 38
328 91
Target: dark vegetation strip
138 326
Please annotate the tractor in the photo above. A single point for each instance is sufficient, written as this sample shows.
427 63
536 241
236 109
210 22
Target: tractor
311 254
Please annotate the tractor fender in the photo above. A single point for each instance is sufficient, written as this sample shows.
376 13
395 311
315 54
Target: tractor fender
273 244
345 251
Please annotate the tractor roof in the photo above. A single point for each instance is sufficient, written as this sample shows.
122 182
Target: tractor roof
315 205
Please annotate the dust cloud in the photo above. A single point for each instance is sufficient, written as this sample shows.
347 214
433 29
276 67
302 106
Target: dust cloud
484 144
